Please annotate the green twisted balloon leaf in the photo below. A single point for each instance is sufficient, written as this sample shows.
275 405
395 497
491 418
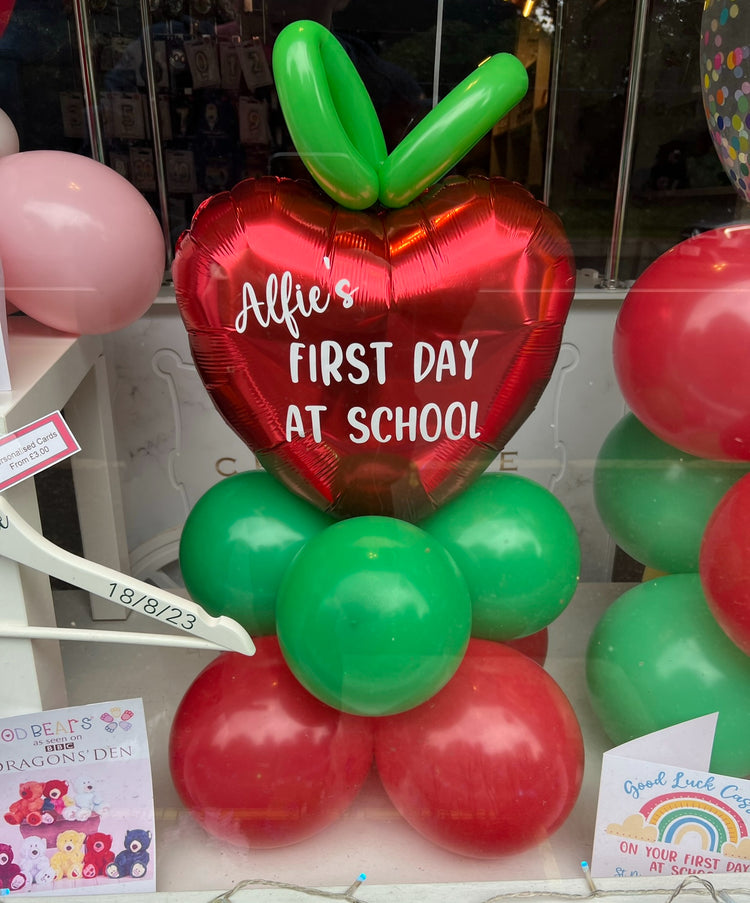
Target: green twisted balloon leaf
336 131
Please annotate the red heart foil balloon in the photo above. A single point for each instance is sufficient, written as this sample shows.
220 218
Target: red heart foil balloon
375 361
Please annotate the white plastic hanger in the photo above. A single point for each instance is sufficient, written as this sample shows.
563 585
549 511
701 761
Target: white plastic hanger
22 543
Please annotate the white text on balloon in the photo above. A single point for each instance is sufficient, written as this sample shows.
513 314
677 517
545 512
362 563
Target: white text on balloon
428 423
285 299
324 362
444 360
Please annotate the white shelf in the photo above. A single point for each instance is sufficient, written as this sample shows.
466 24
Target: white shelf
46 367
612 890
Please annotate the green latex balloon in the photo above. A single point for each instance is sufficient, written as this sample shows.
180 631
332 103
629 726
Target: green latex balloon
655 500
237 543
517 549
658 657
373 616
450 130
329 114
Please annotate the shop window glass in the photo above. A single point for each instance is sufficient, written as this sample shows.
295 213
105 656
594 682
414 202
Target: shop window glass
219 119
678 187
184 107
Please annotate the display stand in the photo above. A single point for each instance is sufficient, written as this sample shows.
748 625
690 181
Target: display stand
50 371
53 372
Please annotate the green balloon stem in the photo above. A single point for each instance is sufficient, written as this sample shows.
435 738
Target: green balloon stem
452 128
336 131
329 114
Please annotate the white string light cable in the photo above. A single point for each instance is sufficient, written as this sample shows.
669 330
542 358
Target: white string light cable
260 884
692 883
21 543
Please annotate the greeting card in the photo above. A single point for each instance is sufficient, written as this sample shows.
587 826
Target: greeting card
77 801
661 812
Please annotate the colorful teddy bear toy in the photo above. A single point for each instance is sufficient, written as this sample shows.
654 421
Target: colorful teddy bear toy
83 802
98 855
44 880
34 862
11 876
133 860
55 799
29 808
67 862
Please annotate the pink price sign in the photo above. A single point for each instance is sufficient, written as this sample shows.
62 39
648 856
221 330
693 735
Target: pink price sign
35 447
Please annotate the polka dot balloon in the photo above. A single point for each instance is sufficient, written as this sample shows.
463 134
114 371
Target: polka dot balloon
725 82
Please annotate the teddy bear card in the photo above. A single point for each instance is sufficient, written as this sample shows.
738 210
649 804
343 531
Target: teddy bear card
77 801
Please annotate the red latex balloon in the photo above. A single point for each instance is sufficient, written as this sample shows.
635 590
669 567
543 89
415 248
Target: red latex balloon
535 646
375 361
6 11
725 564
490 765
681 345
256 759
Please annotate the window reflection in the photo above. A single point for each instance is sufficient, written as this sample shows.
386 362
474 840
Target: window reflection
219 119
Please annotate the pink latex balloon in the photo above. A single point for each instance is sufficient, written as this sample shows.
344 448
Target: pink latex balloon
82 250
8 135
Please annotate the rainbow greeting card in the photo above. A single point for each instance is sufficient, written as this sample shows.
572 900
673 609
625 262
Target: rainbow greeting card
661 813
